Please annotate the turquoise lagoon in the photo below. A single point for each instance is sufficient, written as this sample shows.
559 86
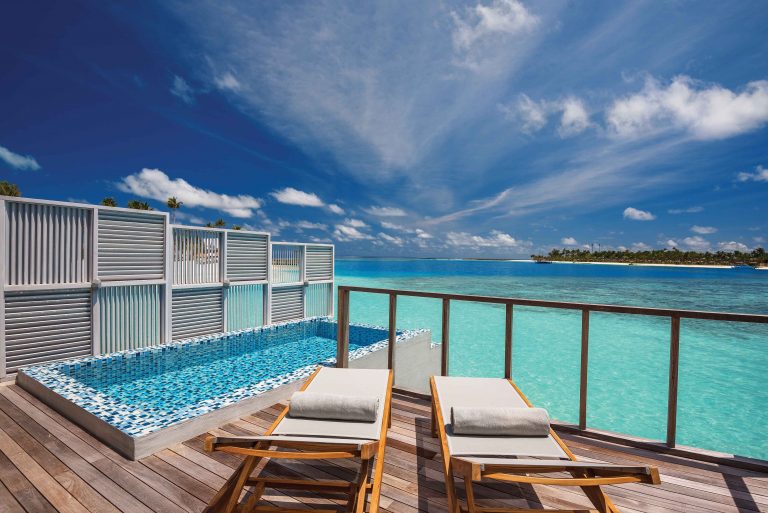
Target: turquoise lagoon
723 391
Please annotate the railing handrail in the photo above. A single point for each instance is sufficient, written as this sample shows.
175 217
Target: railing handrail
585 308
568 305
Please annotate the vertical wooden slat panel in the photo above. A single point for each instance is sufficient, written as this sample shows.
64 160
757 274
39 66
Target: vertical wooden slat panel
446 337
674 366
583 380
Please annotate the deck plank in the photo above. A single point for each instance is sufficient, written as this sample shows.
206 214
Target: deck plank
48 464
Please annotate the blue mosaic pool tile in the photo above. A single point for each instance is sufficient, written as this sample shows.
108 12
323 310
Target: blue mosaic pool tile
143 390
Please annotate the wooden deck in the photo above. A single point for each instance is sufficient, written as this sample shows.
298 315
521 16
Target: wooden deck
48 464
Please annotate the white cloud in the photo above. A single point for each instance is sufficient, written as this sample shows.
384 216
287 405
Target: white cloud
696 243
421 234
189 218
291 196
393 226
670 243
336 209
533 115
638 215
391 239
495 239
575 118
732 246
689 210
703 230
385 211
308 225
759 240
228 82
350 231
155 184
17 161
703 111
183 90
642 246
356 223
760 175
501 17
569 241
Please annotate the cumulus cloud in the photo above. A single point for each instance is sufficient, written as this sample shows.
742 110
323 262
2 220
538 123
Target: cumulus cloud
421 234
308 225
398 241
501 17
703 230
227 82
291 196
641 246
696 243
732 246
760 175
351 230
638 215
703 111
385 211
533 115
336 209
155 184
181 89
689 210
574 119
496 239
17 161
569 241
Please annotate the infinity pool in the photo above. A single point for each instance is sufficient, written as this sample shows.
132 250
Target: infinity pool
139 392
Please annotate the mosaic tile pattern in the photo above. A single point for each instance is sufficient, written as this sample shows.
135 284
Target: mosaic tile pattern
143 390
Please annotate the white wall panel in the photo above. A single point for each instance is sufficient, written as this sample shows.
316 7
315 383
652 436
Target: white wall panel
196 256
131 245
287 303
247 256
245 307
319 262
197 312
129 317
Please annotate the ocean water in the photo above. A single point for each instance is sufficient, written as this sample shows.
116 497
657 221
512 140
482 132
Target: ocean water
723 377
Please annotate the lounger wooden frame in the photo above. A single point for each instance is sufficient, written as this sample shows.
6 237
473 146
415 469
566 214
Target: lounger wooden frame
588 476
256 450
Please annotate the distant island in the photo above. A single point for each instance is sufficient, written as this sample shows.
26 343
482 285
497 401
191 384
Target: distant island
755 258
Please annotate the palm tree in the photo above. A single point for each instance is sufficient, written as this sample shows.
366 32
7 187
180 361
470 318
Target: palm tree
237 227
174 205
109 202
9 189
139 205
220 223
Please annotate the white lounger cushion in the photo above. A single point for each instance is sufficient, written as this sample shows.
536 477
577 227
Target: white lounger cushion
314 405
492 393
351 382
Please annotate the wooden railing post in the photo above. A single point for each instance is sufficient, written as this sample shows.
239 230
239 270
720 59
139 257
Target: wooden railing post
674 364
392 332
342 331
583 380
446 336
508 343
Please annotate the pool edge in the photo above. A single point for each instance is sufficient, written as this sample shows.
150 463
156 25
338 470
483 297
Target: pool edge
135 448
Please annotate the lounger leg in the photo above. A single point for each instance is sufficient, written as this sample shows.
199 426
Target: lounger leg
362 486
248 465
471 508
258 491
596 495
378 472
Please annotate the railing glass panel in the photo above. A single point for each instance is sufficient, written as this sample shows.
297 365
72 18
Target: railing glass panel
628 372
546 359
721 397
469 354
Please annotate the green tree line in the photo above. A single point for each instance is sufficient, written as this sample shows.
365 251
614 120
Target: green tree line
756 258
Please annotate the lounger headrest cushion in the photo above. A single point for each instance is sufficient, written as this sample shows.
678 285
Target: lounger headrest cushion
485 421
316 405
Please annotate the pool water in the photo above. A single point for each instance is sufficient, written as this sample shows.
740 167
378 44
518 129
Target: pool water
142 391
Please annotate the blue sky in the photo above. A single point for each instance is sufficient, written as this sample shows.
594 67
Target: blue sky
494 128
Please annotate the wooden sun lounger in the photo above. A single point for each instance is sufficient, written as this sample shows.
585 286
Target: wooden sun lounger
310 439
522 460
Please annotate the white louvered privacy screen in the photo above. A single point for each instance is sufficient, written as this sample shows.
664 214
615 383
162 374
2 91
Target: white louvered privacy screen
80 279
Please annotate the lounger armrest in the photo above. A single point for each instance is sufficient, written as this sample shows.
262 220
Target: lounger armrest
365 448
478 468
